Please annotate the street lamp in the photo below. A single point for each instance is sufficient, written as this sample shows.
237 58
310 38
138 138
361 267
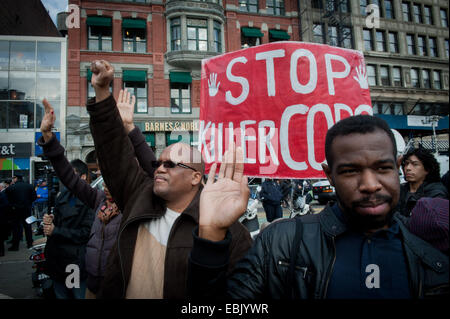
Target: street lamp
433 120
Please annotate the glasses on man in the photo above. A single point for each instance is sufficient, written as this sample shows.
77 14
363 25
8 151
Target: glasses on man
170 164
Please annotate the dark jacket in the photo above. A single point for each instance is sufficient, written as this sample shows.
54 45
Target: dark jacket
263 273
67 244
132 190
21 196
408 200
102 237
271 193
4 216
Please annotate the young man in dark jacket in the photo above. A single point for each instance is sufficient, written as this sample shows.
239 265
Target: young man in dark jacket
421 171
108 217
357 248
149 259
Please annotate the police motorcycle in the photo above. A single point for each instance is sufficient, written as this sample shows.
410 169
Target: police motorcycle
300 199
250 218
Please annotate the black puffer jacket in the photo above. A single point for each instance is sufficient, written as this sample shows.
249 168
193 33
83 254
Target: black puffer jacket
408 200
263 272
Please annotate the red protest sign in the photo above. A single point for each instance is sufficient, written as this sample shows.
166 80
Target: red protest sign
277 102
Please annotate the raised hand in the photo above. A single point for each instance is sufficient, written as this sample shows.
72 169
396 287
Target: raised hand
102 75
222 202
125 104
48 121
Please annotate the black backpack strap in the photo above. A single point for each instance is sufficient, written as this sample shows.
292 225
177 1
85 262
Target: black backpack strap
294 252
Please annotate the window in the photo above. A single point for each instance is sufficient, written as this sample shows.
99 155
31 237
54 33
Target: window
275 7
347 40
180 98
437 80
410 43
421 46
136 83
99 34
417 13
134 32
388 9
381 45
344 5
248 5
368 43
446 48
175 34
393 44
415 78
397 76
426 79
217 37
250 37
318 33
197 34
406 12
432 47
444 19
427 15
371 75
362 7
384 76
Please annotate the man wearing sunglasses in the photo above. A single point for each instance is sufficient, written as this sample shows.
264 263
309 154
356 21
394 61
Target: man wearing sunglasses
150 257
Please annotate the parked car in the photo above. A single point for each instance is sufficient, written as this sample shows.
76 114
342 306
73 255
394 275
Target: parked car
323 192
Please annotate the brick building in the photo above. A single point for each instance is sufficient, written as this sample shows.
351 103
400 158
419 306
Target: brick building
156 47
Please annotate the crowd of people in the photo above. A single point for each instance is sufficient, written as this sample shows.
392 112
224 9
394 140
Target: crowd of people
159 231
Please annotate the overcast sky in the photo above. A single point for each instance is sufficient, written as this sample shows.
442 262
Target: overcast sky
54 7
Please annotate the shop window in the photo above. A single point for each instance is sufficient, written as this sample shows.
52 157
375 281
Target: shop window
250 37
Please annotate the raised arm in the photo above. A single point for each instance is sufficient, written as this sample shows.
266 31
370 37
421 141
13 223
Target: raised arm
55 152
120 170
144 154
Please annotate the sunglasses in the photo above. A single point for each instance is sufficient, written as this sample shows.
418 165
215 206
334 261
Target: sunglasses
170 164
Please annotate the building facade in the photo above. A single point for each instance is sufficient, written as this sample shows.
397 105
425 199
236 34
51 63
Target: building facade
156 48
32 67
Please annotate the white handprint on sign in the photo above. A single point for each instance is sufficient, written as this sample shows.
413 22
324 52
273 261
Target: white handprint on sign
361 77
213 88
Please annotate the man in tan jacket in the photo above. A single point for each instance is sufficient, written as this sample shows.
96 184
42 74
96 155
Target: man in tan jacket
150 257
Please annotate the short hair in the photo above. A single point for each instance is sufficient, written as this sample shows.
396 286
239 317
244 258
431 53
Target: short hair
80 166
429 162
19 177
359 124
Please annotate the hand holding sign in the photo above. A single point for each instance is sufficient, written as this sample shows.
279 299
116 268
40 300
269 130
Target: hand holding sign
48 121
222 202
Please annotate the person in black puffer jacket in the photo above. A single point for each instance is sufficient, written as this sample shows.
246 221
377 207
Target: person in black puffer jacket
105 226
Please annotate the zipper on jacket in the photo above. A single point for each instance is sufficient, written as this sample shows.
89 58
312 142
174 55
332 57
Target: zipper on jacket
330 271
304 269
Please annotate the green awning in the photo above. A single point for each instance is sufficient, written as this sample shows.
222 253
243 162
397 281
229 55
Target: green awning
89 75
252 32
134 24
134 75
180 77
279 34
99 21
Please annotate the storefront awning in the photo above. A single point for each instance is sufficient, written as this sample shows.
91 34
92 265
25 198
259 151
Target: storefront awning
252 32
279 34
99 21
134 75
180 77
134 24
